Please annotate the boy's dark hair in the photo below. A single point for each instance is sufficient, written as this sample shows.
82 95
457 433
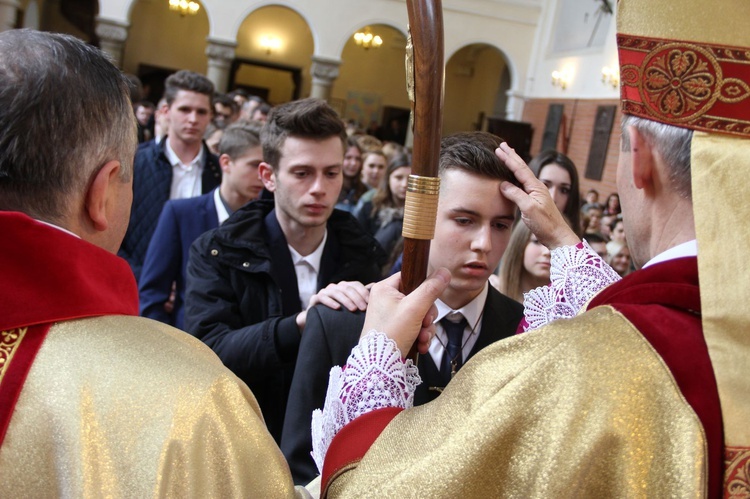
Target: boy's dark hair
187 80
238 138
145 103
239 91
226 101
306 119
595 237
474 152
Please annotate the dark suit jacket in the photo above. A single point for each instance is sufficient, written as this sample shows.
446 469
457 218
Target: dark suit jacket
242 296
327 341
181 222
152 182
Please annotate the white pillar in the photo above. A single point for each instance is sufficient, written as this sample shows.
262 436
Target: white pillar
8 14
514 106
112 36
324 71
220 56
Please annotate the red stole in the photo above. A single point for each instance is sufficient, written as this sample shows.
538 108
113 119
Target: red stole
50 276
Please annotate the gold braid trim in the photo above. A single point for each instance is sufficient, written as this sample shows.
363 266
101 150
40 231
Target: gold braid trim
9 342
420 210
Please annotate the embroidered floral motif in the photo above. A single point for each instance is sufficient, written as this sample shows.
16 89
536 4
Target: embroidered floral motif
9 341
737 474
700 86
375 377
680 83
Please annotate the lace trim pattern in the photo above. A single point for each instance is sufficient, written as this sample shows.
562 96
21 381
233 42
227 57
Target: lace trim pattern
375 377
577 274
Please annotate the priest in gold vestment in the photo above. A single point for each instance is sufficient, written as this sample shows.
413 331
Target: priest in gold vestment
645 393
95 401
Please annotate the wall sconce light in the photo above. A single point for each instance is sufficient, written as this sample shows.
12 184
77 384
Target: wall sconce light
184 7
562 78
366 39
269 44
610 76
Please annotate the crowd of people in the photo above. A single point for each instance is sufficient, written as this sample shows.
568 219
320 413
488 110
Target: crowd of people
264 241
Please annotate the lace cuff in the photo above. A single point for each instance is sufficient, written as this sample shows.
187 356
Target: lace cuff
375 377
577 274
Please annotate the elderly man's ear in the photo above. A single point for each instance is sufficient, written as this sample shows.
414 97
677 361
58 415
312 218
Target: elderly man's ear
102 195
642 159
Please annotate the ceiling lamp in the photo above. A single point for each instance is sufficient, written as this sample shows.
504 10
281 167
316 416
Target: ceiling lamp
366 39
184 7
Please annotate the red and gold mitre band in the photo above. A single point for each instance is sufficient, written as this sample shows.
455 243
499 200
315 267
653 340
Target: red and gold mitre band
686 84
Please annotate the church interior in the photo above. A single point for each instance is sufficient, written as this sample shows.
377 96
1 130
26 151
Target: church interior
540 73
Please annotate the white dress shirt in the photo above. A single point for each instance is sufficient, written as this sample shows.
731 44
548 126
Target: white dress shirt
689 248
472 311
307 269
63 229
221 210
186 178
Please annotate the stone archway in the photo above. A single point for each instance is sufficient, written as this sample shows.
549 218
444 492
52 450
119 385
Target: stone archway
371 87
477 79
160 41
273 55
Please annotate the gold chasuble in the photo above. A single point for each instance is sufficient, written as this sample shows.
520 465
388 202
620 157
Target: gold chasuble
581 408
646 394
113 405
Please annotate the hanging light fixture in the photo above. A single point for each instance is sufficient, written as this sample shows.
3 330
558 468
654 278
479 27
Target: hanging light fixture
184 7
366 39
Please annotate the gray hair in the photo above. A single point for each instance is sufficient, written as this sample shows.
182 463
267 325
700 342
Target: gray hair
64 112
671 142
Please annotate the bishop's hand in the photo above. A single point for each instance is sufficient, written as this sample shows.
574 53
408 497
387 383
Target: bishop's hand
538 210
402 318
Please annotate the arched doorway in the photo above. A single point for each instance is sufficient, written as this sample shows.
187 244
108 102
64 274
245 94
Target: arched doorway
371 87
273 55
161 41
477 79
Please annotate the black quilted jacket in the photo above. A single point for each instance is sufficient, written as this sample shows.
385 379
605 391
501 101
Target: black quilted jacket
242 297
152 181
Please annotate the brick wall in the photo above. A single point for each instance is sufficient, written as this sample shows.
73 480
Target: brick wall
579 116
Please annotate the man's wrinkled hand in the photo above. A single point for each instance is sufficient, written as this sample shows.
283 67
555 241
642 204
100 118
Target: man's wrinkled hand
538 210
406 319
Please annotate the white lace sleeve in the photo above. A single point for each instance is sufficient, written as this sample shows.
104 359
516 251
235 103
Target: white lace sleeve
578 273
375 377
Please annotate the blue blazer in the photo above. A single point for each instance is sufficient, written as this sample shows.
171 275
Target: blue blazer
180 223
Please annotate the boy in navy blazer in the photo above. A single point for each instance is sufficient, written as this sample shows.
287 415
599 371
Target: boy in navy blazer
183 220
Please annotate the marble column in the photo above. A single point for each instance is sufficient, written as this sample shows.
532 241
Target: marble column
112 36
8 14
324 73
220 56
